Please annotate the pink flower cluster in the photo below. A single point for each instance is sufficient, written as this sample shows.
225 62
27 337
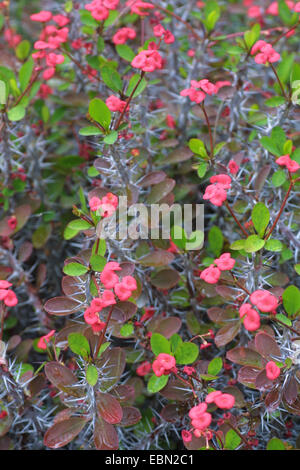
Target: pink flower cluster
121 36
272 370
264 52
197 90
50 39
138 7
274 10
201 419
100 8
291 165
216 192
8 296
212 274
148 60
161 32
107 205
44 340
11 37
122 288
115 104
163 364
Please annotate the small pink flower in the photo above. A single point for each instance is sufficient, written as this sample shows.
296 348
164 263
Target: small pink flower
186 435
44 340
139 7
291 165
169 37
223 179
122 292
233 167
121 36
12 222
266 53
216 193
225 262
53 59
163 364
264 301
61 20
5 284
251 318
159 30
108 298
272 370
225 401
148 60
210 398
48 73
115 104
211 274
109 279
143 369
254 12
42 16
197 411
94 203
129 283
202 422
189 370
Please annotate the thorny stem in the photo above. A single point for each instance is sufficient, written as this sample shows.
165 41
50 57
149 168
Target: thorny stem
103 333
239 285
28 88
285 33
281 208
128 102
76 62
209 131
236 220
2 320
278 80
284 324
178 18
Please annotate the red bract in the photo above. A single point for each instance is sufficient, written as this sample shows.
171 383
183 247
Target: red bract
272 370
264 301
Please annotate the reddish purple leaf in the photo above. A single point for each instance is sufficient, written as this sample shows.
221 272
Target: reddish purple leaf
131 416
245 357
267 346
62 306
227 334
105 436
60 434
109 408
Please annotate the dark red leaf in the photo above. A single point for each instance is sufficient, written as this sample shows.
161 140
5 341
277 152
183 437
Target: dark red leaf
109 408
245 357
62 306
131 416
267 346
60 434
105 436
227 333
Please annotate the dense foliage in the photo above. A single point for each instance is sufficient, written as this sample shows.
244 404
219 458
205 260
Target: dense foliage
129 342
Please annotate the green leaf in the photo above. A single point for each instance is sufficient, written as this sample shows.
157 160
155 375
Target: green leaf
253 243
25 73
132 84
175 342
260 217
91 375
275 444
79 224
97 263
75 269
16 113
125 52
111 78
197 146
284 319
70 233
159 344
178 236
278 178
274 144
216 240
215 366
2 92
201 170
155 383
291 300
100 112
79 344
186 353
252 36
111 138
90 130
127 329
286 15
297 268
23 49
273 245
238 245
41 235
232 440
275 101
